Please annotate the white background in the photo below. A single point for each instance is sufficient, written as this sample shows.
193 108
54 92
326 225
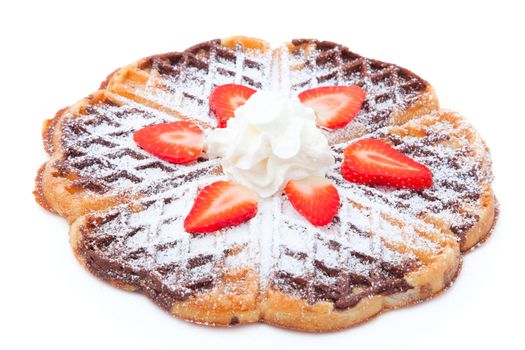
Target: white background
53 53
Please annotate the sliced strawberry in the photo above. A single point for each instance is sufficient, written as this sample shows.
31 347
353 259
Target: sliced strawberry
221 204
374 162
315 198
334 106
225 99
178 142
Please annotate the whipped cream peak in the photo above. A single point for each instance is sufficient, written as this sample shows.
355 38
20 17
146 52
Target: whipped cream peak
270 140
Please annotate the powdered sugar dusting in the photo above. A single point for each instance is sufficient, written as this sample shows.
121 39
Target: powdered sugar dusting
99 146
187 92
356 255
388 88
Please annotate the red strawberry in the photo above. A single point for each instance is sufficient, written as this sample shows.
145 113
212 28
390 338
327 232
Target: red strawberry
315 198
374 162
178 142
334 106
221 204
225 99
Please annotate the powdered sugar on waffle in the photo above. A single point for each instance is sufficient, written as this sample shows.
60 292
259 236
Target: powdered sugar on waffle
388 88
99 146
360 246
188 91
460 169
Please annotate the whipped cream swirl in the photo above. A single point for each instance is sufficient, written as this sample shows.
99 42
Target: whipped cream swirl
270 140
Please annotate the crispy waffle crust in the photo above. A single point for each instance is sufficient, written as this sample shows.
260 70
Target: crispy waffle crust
386 248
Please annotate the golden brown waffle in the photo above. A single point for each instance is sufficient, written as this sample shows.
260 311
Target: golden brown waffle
386 248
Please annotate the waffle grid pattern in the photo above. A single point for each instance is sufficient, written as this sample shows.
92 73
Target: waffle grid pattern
379 237
100 151
388 88
182 82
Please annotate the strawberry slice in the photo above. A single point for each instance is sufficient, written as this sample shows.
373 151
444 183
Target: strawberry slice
221 204
334 106
315 198
225 99
177 142
374 162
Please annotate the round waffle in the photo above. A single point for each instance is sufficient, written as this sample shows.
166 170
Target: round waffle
386 247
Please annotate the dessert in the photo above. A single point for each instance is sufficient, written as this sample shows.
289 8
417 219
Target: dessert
272 213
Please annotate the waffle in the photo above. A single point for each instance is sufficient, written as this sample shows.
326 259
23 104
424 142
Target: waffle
386 248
